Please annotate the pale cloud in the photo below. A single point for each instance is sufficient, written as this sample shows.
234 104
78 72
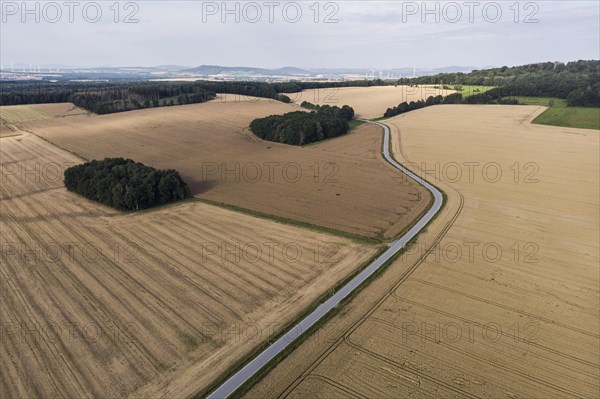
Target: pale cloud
380 34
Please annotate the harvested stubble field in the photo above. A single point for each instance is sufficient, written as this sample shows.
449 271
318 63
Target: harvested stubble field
343 184
506 304
368 102
97 303
13 115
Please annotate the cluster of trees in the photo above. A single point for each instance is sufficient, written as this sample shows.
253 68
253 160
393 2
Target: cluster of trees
346 112
125 184
454 98
411 106
307 105
300 128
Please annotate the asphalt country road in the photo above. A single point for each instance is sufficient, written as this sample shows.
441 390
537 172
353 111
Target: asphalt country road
234 382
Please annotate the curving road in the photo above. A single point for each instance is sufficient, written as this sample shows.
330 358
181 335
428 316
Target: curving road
251 368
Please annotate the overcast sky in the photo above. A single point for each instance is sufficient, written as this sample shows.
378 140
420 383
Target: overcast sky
371 34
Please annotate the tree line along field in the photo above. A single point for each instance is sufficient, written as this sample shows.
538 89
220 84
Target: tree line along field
105 97
575 81
471 90
368 102
96 303
342 184
444 321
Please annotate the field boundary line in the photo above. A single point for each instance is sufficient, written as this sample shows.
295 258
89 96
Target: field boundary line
246 373
492 303
384 297
463 352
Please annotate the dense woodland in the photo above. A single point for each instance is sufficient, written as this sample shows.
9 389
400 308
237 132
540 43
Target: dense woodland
578 82
127 99
104 98
300 128
255 89
510 94
125 184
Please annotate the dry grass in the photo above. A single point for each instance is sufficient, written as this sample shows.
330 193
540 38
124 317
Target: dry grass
522 325
368 102
343 184
96 303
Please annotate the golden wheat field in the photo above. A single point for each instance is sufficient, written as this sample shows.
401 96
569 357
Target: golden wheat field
343 184
99 303
368 102
499 297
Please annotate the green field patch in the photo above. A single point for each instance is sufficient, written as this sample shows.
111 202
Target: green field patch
559 114
580 117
